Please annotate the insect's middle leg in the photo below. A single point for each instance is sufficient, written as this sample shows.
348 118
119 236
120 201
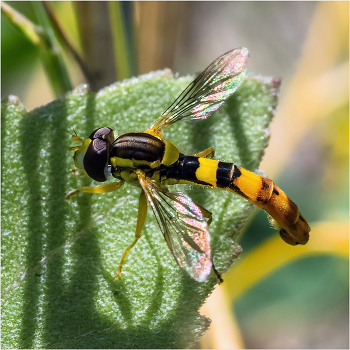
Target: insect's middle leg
141 217
207 153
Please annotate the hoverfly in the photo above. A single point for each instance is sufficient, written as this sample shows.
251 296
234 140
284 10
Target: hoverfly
147 160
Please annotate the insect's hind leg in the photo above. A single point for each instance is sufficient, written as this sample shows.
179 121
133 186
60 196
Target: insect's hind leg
207 153
206 213
141 217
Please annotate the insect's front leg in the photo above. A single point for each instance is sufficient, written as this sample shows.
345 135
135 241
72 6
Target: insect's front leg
141 217
97 189
207 153
76 172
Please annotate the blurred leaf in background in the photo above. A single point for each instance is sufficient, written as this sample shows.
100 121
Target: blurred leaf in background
19 58
305 303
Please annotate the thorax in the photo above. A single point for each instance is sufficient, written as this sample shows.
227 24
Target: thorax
142 151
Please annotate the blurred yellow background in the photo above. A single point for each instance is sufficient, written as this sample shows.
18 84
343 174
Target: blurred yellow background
302 300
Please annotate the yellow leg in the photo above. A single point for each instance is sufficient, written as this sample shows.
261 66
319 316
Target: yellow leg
207 153
98 189
141 217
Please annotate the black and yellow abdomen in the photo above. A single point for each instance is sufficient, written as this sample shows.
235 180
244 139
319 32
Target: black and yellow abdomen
257 189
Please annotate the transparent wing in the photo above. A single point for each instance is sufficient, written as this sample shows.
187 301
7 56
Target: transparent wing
208 91
184 228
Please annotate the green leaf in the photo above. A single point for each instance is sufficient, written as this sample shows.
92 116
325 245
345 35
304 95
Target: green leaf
59 256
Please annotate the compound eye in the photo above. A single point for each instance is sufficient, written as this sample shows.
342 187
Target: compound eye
104 133
96 159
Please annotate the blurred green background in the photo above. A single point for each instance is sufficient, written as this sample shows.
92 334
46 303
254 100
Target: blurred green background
305 303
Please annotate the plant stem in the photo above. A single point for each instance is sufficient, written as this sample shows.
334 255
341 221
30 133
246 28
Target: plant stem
51 53
90 78
21 23
121 51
